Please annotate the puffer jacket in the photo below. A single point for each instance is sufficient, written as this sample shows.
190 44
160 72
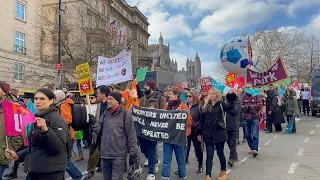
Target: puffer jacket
14 142
212 125
233 116
47 152
195 111
118 134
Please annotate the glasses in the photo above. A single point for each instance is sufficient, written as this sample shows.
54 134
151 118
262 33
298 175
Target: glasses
92 97
189 96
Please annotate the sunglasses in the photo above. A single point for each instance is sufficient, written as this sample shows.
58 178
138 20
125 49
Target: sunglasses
92 97
189 96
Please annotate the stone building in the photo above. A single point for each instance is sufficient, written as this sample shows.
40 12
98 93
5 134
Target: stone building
19 60
193 70
162 54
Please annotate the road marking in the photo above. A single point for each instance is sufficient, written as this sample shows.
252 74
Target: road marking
275 136
317 125
306 140
243 160
267 143
312 132
300 152
228 171
293 168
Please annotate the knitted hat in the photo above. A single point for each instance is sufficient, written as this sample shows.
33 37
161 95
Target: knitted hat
4 86
152 84
60 95
116 95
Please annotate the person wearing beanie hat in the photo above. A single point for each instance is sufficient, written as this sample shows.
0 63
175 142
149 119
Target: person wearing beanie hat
151 99
118 138
14 142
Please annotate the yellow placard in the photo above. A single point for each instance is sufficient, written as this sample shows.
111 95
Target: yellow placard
84 79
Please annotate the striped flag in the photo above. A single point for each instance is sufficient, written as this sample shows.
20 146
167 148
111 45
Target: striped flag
112 28
120 35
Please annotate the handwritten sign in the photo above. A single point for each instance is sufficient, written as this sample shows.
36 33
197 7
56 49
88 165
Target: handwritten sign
230 78
114 70
275 74
206 85
84 79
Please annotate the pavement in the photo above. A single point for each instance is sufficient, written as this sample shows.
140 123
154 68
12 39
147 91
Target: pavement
281 157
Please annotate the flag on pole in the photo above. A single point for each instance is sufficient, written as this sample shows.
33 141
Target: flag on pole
112 28
120 35
133 99
250 52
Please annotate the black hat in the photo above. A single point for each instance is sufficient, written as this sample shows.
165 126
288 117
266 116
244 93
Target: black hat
28 95
116 95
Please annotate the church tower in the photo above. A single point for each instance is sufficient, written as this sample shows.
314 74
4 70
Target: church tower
197 66
161 51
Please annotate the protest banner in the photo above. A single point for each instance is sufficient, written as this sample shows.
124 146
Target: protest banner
238 83
217 85
84 79
161 125
276 73
141 74
230 78
114 70
17 119
205 84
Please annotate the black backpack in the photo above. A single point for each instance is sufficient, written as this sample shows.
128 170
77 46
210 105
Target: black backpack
79 116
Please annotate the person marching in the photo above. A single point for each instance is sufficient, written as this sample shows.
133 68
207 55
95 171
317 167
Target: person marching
292 110
212 129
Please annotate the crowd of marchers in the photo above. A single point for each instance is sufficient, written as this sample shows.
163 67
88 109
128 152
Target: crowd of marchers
110 134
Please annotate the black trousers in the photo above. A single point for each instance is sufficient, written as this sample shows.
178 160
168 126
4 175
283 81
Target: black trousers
197 147
269 125
46 176
210 154
305 106
232 143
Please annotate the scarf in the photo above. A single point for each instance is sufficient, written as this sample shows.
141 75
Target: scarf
45 112
174 104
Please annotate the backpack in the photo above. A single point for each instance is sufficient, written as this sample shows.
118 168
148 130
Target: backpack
79 116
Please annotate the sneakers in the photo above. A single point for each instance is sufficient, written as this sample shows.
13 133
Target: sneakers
151 177
207 177
200 170
89 175
222 175
156 167
145 163
11 175
231 162
254 153
250 151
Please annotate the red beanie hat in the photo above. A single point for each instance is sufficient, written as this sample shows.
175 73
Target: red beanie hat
152 84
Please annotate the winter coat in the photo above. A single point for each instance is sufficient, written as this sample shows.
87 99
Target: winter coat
233 116
47 152
65 110
183 106
276 112
118 134
291 107
195 111
212 125
155 100
14 142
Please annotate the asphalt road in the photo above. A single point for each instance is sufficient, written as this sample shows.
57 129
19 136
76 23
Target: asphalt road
281 157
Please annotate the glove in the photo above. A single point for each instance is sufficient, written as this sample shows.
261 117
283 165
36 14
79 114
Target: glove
231 96
134 160
92 119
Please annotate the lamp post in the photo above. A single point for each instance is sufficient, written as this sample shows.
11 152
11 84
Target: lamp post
58 75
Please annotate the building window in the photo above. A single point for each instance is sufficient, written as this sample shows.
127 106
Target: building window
18 72
89 20
20 10
103 9
96 4
19 43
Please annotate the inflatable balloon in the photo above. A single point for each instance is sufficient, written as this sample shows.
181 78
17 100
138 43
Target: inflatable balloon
234 55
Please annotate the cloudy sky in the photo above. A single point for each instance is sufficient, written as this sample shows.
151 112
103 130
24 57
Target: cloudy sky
203 25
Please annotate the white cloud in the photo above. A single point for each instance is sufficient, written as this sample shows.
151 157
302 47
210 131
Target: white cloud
181 59
145 6
241 14
210 39
171 26
313 28
296 5
181 44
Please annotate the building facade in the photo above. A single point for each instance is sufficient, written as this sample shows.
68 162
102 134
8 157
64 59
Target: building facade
19 57
193 70
161 52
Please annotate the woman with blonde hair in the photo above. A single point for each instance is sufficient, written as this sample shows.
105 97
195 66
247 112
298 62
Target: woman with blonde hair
212 128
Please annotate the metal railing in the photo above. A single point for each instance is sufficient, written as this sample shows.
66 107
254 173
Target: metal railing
19 49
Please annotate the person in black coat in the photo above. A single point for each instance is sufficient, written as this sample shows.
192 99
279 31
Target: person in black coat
212 128
274 113
195 111
46 156
233 120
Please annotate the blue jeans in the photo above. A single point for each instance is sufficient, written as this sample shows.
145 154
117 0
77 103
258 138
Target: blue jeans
180 152
252 133
149 149
2 168
73 171
78 144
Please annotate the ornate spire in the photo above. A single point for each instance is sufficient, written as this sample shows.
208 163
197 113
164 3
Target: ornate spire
187 59
197 57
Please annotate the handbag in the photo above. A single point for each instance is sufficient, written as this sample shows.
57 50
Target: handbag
223 116
290 126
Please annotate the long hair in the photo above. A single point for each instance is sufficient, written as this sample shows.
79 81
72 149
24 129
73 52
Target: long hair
208 104
194 96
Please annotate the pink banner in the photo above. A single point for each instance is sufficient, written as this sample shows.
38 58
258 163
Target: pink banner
276 73
16 118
